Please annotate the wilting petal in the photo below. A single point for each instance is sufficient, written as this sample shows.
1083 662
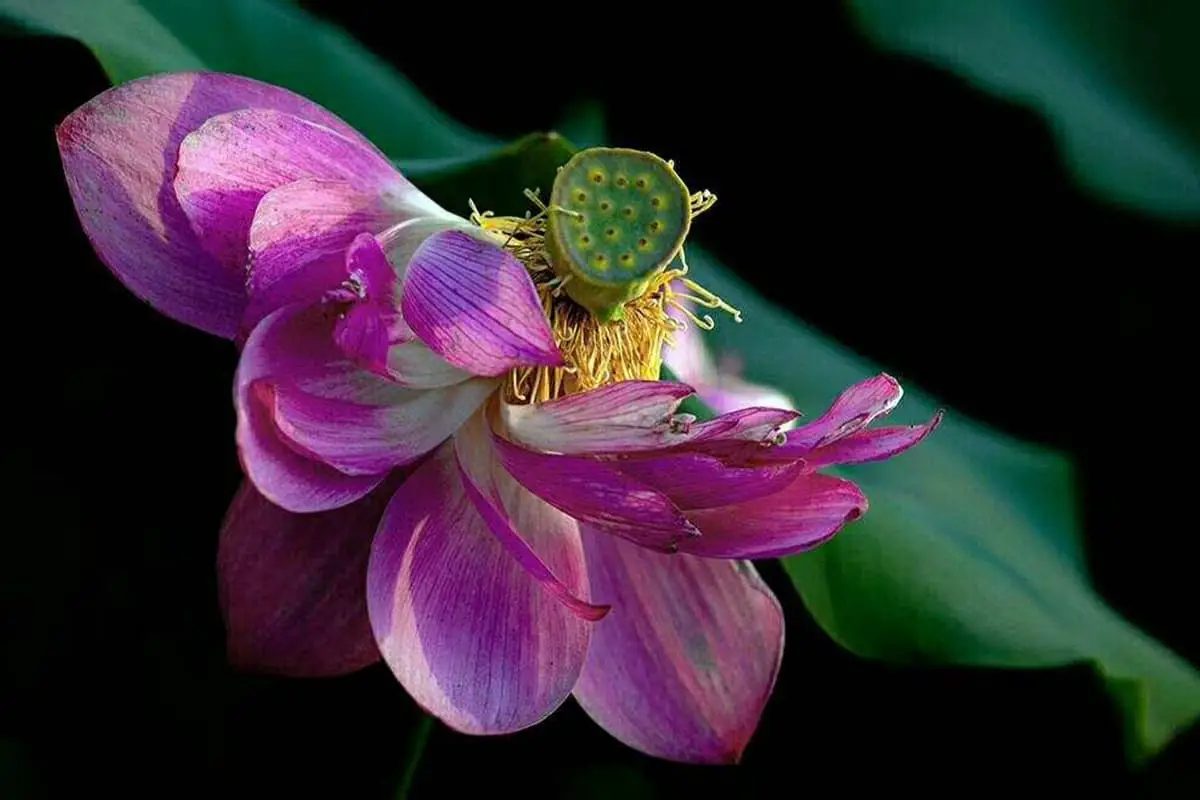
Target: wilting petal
807 513
119 152
299 239
596 493
620 417
697 480
853 410
232 160
745 424
293 586
473 638
474 305
292 341
872 445
365 438
685 663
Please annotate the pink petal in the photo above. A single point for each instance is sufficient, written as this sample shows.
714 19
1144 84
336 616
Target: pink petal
621 417
685 663
473 638
293 586
872 445
228 164
853 410
595 492
474 305
290 342
695 480
807 513
119 152
392 428
299 239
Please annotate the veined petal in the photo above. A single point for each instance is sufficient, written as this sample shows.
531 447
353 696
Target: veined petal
119 152
853 410
293 586
291 342
473 638
475 305
872 445
685 663
393 429
695 480
621 417
229 163
595 492
808 512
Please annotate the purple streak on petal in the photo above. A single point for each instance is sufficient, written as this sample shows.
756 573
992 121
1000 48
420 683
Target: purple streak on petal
853 410
621 417
873 445
119 153
809 512
595 492
752 425
289 342
229 163
685 663
520 550
698 480
476 641
293 586
475 305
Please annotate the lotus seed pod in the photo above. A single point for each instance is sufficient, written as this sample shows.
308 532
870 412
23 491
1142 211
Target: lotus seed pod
618 218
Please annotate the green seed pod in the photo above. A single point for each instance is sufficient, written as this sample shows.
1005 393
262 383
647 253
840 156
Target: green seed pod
618 218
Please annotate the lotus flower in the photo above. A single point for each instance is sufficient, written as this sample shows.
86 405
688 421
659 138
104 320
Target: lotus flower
457 455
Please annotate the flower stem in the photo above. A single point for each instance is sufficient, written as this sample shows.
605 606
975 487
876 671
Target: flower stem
416 749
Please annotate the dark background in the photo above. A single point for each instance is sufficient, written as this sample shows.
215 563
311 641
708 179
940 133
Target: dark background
926 225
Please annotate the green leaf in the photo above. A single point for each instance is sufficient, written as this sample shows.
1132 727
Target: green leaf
1114 78
970 553
272 41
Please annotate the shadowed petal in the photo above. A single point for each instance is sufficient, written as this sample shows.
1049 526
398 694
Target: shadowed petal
293 586
474 639
475 305
808 512
685 663
119 153
232 160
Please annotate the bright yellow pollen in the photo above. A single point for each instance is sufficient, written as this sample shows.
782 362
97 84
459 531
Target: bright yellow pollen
597 353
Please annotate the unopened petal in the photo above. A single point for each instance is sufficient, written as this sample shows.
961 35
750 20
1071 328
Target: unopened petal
684 664
475 305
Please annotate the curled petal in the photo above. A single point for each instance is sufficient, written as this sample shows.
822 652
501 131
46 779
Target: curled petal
473 638
872 445
119 153
854 409
293 586
595 492
475 305
685 663
695 480
807 513
229 163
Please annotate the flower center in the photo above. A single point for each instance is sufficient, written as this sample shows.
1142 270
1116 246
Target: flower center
606 257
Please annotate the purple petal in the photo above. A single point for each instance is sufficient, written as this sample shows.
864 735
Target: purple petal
119 153
293 586
473 638
595 492
475 306
685 663
853 410
228 164
695 480
621 417
807 513
872 445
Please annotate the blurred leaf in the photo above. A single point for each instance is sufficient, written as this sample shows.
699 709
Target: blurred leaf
270 40
970 553
1114 78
